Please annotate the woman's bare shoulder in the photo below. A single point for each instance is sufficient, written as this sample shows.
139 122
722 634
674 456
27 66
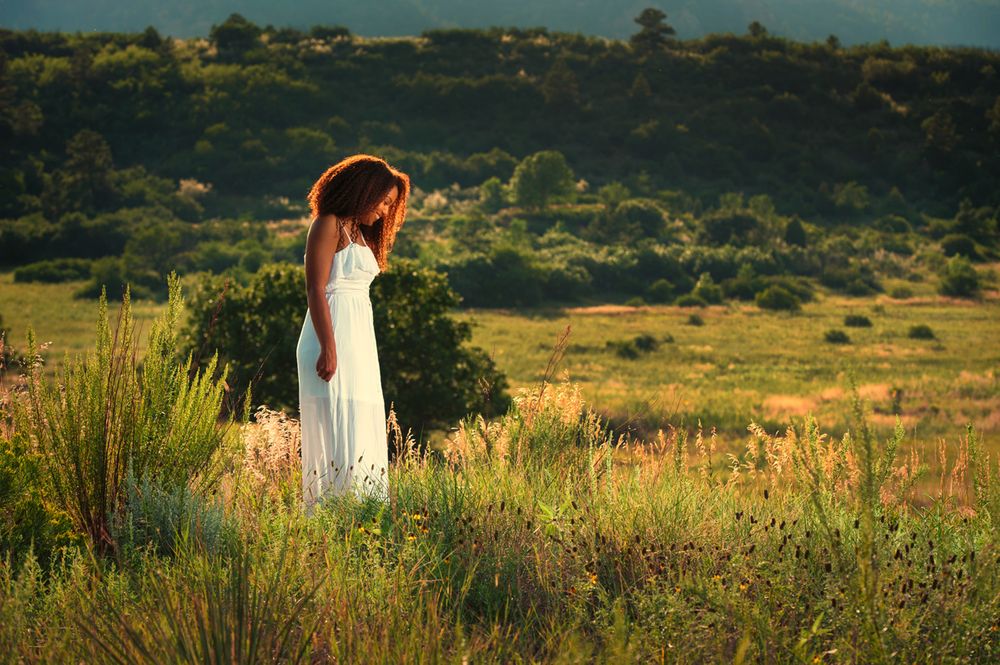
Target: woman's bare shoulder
324 230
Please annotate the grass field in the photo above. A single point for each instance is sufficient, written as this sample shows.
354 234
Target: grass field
742 364
537 537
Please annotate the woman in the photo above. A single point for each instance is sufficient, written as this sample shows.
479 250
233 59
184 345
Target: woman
358 206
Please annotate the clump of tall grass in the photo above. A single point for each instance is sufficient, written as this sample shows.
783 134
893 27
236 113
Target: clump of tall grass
106 414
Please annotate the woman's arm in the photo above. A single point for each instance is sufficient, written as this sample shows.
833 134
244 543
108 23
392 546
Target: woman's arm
321 244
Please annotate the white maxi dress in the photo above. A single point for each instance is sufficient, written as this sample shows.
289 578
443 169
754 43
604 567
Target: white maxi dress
344 443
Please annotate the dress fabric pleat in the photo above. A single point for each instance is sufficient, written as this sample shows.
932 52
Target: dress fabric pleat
344 444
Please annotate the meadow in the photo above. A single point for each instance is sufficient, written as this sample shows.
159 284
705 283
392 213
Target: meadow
542 536
721 366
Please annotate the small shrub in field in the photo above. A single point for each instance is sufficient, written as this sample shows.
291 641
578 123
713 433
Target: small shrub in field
667 339
857 321
690 300
959 278
54 270
778 298
707 289
957 244
901 293
836 337
695 320
624 349
660 291
920 331
635 301
646 342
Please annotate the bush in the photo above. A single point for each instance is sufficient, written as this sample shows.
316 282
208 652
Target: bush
635 301
646 342
957 244
836 337
170 516
959 278
54 271
857 321
633 348
660 291
920 331
695 320
624 349
778 298
257 326
707 289
901 292
690 300
103 418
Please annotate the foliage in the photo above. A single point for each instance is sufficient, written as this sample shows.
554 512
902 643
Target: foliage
857 321
920 331
959 278
106 419
541 177
54 270
255 327
835 336
777 297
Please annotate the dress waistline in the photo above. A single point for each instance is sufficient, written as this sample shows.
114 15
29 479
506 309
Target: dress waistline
347 287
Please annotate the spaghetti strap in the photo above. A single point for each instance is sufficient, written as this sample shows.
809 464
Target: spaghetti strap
344 228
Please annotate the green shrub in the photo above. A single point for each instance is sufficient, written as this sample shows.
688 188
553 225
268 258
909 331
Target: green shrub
169 516
624 348
646 342
857 321
920 331
690 300
54 270
695 320
27 522
778 298
957 244
103 416
707 289
635 301
836 337
633 348
959 278
901 292
660 291
256 326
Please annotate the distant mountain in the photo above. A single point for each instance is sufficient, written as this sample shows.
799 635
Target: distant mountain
943 22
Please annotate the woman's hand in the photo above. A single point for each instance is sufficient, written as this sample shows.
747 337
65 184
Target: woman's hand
326 364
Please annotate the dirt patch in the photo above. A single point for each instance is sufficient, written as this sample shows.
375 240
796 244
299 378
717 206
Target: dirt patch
606 309
875 392
831 394
782 406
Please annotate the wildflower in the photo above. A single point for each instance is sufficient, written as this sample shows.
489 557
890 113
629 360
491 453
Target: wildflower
411 537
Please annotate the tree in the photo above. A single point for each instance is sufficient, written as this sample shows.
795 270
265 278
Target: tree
757 30
234 37
428 372
560 87
959 278
491 195
795 233
540 177
833 42
654 33
940 132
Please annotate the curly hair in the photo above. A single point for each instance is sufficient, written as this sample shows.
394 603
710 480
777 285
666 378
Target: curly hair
354 186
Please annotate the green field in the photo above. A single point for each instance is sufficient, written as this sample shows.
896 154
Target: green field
743 364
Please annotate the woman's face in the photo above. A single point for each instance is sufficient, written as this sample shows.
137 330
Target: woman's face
382 209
